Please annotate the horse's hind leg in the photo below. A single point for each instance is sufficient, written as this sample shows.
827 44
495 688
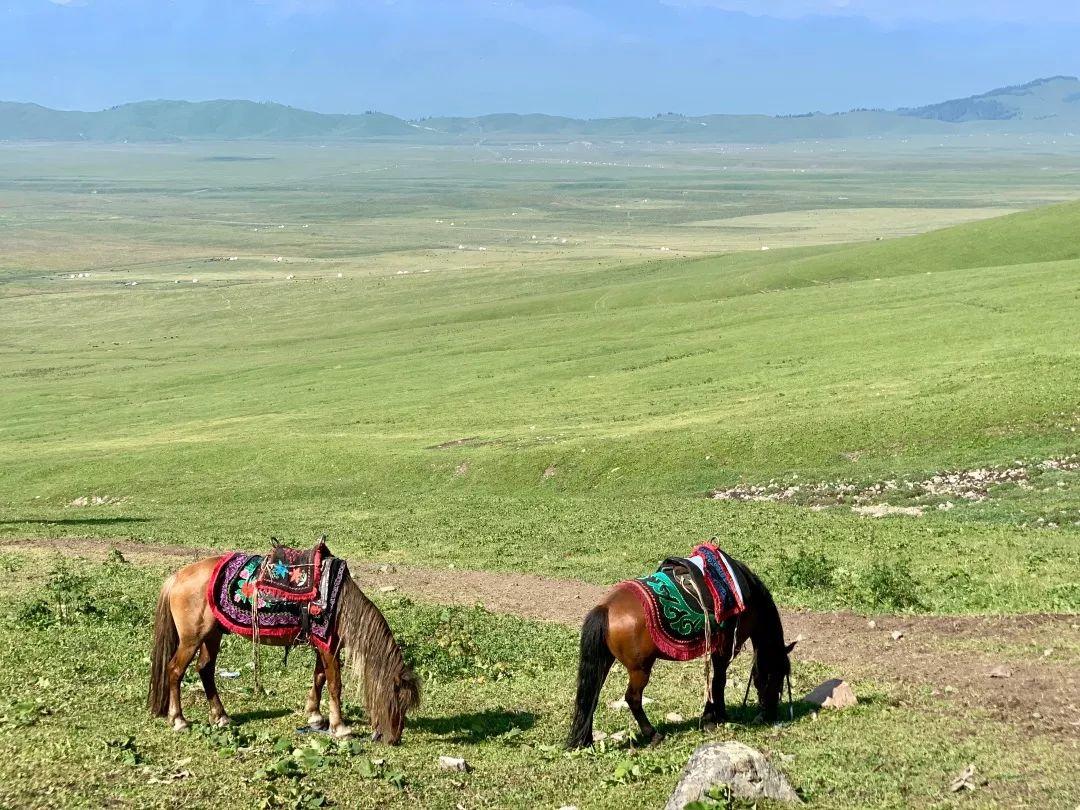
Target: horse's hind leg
177 666
314 699
207 663
639 679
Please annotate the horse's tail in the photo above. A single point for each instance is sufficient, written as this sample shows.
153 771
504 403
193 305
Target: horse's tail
390 686
166 642
593 667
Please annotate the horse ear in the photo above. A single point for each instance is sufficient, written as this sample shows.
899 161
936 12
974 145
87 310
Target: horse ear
791 646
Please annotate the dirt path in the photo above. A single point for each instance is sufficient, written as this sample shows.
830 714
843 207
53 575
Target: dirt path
947 656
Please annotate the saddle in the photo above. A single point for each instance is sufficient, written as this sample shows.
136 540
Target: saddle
292 575
690 580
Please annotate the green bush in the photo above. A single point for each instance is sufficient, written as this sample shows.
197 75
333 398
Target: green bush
808 570
892 584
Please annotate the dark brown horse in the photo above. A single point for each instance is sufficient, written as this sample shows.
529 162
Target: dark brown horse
185 625
617 629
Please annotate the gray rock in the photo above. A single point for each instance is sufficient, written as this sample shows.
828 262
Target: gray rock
745 771
453 764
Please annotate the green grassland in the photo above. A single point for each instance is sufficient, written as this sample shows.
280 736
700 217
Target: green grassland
561 401
73 731
251 403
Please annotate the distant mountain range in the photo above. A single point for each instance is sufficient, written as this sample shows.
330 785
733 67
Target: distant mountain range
1044 105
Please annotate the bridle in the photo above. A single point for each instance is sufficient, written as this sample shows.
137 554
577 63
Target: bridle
787 678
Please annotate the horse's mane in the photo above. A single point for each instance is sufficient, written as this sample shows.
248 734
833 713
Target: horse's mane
767 633
390 687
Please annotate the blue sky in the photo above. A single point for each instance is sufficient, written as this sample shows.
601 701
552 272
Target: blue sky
575 57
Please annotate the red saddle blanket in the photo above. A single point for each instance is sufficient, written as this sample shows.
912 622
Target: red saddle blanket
676 618
235 584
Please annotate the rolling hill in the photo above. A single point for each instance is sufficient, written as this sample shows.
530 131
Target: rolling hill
1044 105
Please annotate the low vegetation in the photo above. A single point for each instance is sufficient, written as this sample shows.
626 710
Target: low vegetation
74 731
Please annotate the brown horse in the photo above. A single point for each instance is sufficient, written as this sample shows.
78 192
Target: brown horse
617 629
184 624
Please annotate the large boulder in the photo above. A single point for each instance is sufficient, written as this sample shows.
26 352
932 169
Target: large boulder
745 771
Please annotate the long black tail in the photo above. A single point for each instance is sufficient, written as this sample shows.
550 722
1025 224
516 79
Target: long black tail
593 668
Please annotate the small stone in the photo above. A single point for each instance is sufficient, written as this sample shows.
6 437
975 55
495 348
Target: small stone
1001 672
453 764
832 694
896 635
871 624
618 736
618 705
964 780
674 717
387 568
599 736
387 588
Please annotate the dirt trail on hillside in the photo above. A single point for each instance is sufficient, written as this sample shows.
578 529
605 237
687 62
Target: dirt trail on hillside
950 657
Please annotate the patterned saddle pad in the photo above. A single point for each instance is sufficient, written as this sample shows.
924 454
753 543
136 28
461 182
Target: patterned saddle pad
293 573
674 613
235 583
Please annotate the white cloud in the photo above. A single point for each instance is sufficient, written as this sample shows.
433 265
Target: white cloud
1040 11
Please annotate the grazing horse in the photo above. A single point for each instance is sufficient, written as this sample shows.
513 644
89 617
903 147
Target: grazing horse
618 628
185 623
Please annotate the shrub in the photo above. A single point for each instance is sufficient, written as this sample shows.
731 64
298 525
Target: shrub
808 570
892 584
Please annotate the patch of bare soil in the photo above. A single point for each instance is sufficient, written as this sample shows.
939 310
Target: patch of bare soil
928 653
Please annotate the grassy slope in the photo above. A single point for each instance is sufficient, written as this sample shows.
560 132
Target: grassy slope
74 733
219 410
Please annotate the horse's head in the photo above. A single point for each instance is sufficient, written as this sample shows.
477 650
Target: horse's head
770 670
403 694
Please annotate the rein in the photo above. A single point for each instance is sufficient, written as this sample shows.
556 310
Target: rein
787 678
708 645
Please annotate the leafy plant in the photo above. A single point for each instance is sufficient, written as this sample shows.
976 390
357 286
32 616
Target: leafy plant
809 570
891 584
124 748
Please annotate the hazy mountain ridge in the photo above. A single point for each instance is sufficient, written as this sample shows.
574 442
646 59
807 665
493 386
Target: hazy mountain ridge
1044 105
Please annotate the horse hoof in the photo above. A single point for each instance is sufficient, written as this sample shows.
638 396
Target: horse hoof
657 738
223 721
318 722
180 724
341 732
708 725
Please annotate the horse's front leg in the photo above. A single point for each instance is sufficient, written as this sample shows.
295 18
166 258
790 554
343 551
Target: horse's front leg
314 699
715 711
332 668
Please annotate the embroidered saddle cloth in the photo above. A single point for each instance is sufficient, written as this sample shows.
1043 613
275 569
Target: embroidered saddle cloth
679 596
292 573
235 583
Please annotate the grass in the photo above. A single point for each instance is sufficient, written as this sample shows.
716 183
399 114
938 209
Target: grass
73 731
221 411
546 406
